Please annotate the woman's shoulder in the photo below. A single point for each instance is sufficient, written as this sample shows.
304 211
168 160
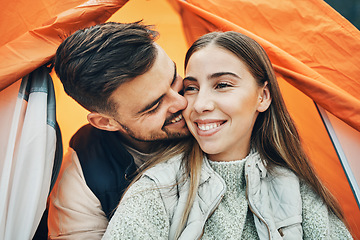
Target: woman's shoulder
318 221
154 180
170 164
142 189
166 173
138 198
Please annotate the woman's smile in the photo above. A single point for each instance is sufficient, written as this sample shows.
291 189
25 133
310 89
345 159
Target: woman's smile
208 127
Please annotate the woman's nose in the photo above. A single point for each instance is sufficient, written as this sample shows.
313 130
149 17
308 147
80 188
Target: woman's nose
203 102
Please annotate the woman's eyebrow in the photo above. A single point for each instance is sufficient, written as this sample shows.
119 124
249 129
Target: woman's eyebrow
213 75
219 74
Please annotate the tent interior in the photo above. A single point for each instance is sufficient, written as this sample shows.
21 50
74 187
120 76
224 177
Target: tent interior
331 137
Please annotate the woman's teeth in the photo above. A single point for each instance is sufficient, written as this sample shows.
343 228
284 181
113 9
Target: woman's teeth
206 127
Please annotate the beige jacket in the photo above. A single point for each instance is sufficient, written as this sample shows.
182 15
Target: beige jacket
74 211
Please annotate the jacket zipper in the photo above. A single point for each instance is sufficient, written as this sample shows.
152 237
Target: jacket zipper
252 210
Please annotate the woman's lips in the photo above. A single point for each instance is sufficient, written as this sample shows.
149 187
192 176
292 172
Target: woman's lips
208 127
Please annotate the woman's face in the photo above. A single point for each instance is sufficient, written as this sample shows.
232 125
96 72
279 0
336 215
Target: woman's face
223 103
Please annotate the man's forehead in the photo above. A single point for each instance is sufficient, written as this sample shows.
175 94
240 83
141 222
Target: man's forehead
146 89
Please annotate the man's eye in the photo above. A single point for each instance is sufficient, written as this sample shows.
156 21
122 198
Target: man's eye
154 108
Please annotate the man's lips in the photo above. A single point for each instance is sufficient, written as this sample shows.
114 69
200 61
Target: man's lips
175 119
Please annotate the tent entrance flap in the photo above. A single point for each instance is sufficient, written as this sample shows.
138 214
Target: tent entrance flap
342 135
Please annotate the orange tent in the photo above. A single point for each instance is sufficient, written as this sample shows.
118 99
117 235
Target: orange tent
313 49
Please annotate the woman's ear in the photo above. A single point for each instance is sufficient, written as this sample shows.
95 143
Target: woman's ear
264 98
103 121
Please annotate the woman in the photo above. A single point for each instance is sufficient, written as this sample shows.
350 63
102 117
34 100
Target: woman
254 180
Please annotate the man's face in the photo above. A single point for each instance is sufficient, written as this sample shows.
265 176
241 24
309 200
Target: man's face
149 106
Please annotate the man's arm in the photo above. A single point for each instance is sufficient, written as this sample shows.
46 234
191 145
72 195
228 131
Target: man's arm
74 211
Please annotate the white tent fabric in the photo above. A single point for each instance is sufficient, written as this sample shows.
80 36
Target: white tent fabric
27 150
346 141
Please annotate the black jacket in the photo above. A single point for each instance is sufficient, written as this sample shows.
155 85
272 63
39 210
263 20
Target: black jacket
107 166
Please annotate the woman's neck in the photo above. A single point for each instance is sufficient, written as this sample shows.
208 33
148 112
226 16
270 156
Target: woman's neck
230 155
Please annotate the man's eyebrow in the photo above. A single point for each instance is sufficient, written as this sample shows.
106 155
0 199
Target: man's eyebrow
175 74
149 106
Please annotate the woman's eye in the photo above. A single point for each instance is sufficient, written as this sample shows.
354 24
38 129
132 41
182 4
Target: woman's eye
223 85
190 88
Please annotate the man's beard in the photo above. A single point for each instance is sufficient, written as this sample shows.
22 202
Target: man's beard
156 136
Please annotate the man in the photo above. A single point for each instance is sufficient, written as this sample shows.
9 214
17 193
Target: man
131 88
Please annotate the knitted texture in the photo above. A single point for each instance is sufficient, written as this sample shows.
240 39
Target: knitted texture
318 222
142 215
232 218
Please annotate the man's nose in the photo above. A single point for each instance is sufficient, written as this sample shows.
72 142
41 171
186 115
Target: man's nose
178 102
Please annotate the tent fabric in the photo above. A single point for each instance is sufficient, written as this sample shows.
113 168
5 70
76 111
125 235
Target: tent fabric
21 54
345 140
26 168
313 48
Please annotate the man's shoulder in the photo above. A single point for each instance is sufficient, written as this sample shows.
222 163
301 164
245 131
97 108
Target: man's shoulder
88 136
101 153
105 163
93 145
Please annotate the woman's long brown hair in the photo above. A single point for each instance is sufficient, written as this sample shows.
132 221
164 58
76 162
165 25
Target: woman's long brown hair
274 135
